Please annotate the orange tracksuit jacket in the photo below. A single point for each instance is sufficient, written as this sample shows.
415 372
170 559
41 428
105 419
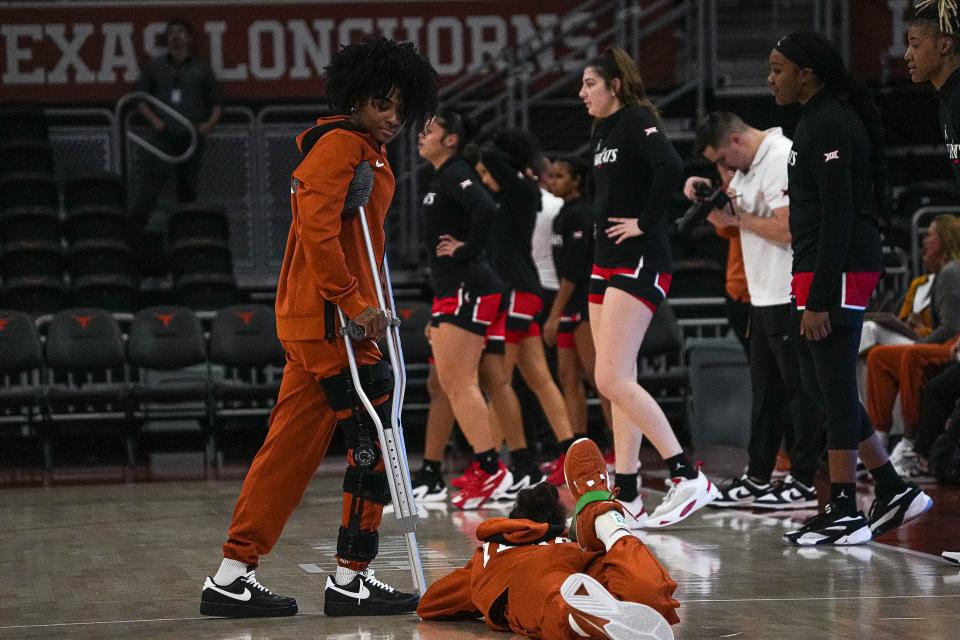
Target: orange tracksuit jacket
513 580
325 259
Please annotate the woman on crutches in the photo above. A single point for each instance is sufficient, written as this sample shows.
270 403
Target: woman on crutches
378 86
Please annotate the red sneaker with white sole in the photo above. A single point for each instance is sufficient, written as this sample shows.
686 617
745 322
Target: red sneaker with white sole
482 486
461 481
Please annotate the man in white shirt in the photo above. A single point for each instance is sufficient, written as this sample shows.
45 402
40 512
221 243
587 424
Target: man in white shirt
759 206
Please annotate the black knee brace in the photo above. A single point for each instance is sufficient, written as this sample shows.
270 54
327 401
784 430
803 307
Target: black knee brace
358 429
363 484
361 481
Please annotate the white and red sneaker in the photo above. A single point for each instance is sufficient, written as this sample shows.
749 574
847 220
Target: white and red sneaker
461 481
683 499
482 486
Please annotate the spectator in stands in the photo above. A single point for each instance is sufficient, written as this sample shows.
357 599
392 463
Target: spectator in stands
837 176
759 214
186 83
905 368
914 320
377 86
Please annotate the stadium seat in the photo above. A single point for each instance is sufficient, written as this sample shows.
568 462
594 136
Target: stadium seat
30 223
31 258
206 291
113 292
197 221
35 294
29 189
192 255
89 382
243 341
21 368
94 189
99 256
697 279
414 317
23 122
25 155
92 222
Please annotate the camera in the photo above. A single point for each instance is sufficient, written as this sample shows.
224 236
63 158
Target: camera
708 199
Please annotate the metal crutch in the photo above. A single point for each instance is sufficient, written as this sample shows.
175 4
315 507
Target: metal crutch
392 444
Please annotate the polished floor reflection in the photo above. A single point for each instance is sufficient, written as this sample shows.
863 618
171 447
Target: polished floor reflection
127 561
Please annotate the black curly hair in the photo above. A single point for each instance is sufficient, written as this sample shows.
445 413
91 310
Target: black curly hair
374 68
540 503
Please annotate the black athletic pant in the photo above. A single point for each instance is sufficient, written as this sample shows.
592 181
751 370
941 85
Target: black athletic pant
829 374
939 398
738 315
155 173
779 400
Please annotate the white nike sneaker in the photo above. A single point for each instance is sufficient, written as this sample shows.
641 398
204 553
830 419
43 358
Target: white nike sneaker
594 613
683 499
952 556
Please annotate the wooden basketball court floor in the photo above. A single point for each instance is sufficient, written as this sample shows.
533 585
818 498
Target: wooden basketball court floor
128 560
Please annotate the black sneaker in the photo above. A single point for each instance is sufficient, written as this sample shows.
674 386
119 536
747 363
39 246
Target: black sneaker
888 513
741 492
522 479
789 494
428 487
244 598
831 527
366 596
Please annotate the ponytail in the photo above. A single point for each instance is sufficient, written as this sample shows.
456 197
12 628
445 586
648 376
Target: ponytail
613 63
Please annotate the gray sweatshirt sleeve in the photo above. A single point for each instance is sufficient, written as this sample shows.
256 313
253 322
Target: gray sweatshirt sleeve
947 300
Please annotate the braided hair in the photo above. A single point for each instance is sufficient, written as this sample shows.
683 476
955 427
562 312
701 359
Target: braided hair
374 68
540 503
810 50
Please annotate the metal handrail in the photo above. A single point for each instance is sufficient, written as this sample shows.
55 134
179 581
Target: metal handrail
139 140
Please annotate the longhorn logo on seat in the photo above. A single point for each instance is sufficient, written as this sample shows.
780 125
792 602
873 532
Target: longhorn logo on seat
246 317
83 321
165 318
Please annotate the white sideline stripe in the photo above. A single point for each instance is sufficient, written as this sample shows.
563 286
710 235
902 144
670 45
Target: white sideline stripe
819 598
80 624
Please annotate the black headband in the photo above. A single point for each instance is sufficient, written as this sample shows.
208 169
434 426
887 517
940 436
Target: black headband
806 52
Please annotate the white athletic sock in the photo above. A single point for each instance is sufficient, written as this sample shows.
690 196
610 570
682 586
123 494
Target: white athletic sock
229 571
610 527
344 576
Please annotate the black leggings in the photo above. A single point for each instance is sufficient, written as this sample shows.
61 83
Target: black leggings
829 375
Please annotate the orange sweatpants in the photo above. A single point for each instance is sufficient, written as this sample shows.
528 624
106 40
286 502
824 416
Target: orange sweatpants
301 427
628 571
902 368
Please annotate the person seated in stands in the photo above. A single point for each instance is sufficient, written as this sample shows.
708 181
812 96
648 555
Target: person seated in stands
915 318
904 368
527 578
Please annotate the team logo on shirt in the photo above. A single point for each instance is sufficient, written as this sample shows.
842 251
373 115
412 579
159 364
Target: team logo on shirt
792 158
428 199
605 156
831 155
578 235
466 183
556 240
650 131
